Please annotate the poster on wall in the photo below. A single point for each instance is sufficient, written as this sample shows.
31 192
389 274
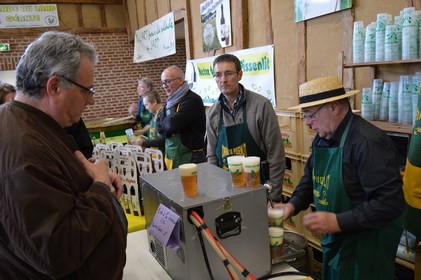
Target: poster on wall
27 16
155 40
307 9
258 74
216 24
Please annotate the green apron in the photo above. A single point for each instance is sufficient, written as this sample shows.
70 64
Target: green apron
175 152
363 254
152 131
145 117
236 140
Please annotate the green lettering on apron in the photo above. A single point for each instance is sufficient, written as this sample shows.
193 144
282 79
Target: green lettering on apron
362 254
236 140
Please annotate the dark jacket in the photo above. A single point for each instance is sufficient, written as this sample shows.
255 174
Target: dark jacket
55 223
189 121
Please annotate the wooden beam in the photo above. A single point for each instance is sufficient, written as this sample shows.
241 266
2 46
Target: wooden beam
347 27
156 10
179 15
188 30
127 19
79 15
301 53
268 18
241 30
103 16
75 30
14 2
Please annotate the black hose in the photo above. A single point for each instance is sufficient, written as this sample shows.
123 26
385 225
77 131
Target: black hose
285 273
205 255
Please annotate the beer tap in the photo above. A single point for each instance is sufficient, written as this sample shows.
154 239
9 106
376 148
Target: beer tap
264 165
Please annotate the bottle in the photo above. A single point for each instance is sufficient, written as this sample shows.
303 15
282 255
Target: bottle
222 25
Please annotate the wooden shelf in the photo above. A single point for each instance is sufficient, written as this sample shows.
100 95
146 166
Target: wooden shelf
371 64
393 127
405 263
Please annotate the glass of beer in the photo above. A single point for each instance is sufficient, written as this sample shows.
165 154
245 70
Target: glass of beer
276 217
251 167
188 175
276 237
235 166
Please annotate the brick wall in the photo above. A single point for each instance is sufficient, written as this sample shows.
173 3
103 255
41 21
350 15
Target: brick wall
115 75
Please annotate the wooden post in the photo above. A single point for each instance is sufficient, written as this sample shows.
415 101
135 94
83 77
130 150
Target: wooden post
268 18
241 31
301 53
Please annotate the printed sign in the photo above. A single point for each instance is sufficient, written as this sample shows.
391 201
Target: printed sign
155 40
216 24
258 74
24 16
165 227
307 9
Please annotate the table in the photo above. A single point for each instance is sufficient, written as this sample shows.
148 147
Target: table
142 265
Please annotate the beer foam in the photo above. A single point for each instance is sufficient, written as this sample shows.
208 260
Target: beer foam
235 160
251 163
188 169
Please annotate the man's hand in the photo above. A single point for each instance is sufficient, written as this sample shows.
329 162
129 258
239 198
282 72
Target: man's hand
117 183
98 171
133 109
321 222
288 209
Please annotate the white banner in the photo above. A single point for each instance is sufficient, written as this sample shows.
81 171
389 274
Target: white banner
24 16
155 40
258 74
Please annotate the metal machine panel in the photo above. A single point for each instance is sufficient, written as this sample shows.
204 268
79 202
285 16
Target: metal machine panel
215 197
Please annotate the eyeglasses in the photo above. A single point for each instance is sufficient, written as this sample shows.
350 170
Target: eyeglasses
168 82
91 90
227 74
312 116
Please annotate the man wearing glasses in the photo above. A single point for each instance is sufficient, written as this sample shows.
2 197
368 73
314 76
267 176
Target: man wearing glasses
182 121
353 179
243 122
59 217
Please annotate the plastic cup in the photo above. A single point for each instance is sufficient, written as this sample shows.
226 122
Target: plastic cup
188 176
251 167
235 167
275 217
130 135
276 237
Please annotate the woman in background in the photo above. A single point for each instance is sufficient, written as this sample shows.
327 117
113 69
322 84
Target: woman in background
138 111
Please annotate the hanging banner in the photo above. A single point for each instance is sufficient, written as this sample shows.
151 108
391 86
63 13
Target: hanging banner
258 74
155 40
307 9
27 16
216 24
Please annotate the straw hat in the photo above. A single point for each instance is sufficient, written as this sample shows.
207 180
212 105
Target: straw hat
321 90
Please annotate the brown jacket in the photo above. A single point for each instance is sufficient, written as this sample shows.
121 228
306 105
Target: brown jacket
55 223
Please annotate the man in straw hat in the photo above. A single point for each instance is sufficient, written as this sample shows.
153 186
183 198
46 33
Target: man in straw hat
353 179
